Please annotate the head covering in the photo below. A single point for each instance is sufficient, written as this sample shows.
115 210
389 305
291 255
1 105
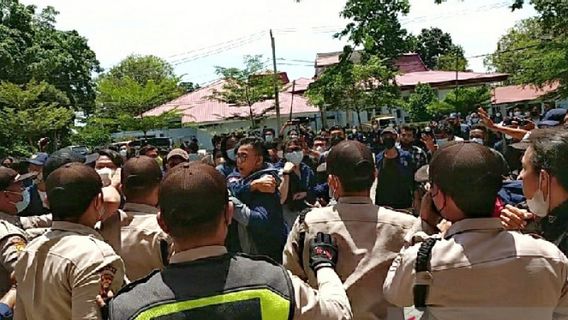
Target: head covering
390 130
178 153
38 159
64 156
553 118
9 176
140 171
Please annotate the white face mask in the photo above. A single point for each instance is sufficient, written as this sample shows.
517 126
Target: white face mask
295 157
477 140
320 149
538 205
22 205
106 175
231 154
123 153
269 138
280 154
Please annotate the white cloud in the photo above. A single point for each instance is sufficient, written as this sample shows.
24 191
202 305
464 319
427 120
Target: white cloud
172 27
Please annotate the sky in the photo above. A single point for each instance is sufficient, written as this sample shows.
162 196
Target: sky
195 36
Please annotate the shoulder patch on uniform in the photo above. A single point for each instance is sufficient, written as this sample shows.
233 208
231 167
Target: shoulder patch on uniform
18 242
133 284
106 276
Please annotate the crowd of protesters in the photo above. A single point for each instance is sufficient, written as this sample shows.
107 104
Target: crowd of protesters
345 222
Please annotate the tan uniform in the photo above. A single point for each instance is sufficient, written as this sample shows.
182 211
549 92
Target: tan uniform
329 302
135 235
61 272
481 271
368 238
12 244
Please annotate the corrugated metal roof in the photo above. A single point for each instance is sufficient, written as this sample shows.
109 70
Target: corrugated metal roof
516 94
199 107
444 78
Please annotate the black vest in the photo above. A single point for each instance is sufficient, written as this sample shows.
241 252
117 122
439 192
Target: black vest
231 286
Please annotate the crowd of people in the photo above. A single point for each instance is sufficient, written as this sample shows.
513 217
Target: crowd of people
461 219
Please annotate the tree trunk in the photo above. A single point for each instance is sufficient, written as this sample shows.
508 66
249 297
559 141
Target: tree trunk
359 116
323 117
251 117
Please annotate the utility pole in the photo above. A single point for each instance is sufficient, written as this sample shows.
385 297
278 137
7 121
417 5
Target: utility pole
276 93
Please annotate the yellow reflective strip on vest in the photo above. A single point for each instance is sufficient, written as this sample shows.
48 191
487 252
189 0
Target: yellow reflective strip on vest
272 305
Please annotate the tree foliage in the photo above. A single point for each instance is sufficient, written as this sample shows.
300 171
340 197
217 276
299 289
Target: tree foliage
247 86
462 99
436 49
29 112
375 25
418 103
355 86
32 48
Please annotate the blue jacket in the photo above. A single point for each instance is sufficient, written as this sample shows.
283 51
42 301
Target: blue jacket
265 220
399 194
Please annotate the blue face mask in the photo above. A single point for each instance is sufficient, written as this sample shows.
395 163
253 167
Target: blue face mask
22 205
295 157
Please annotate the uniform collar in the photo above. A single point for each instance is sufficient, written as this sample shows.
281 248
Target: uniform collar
75 228
138 207
556 222
198 253
473 224
355 200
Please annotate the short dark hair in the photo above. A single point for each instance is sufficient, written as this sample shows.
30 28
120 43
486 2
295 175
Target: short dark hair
256 143
409 128
139 176
192 199
71 189
352 162
550 153
470 174
114 156
479 127
146 149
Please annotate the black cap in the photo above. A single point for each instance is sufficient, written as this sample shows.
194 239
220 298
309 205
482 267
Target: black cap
9 176
140 172
63 156
192 194
351 161
73 185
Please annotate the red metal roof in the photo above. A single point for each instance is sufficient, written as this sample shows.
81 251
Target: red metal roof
446 78
409 62
301 85
517 94
198 107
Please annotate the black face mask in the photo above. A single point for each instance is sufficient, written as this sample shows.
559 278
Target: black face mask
388 143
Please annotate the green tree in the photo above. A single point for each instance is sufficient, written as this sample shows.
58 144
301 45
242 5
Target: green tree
357 87
436 48
30 112
136 85
375 25
418 103
245 87
97 132
463 100
452 61
32 48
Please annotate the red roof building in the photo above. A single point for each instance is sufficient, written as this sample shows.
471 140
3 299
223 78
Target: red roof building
198 107
521 94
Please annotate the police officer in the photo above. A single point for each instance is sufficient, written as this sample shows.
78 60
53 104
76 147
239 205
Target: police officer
204 281
12 239
477 269
134 232
61 272
369 236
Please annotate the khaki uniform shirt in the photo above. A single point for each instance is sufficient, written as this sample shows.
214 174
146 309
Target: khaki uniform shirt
369 239
481 271
12 244
135 235
329 302
62 271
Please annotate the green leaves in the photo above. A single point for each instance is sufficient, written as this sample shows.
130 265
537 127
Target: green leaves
418 104
245 87
349 86
376 27
437 50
